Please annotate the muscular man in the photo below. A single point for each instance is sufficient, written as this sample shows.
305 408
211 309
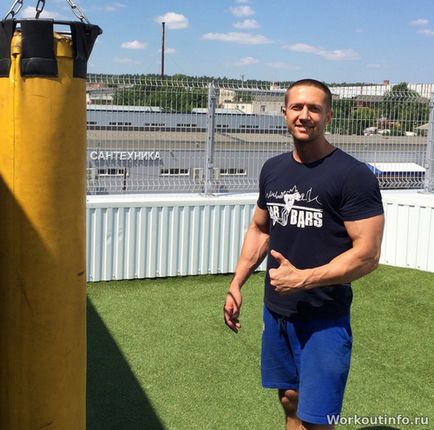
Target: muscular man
319 220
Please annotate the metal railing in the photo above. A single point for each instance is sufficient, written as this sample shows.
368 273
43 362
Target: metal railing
147 135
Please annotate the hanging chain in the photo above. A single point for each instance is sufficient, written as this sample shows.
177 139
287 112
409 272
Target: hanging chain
18 4
78 12
39 8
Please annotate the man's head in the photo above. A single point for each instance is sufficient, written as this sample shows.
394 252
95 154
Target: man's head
311 83
307 110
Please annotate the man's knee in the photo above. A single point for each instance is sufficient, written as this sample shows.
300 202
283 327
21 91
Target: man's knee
289 401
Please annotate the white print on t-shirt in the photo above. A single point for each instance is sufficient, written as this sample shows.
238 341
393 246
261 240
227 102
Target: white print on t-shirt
291 210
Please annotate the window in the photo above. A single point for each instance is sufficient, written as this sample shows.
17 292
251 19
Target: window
186 125
262 108
174 171
113 171
232 171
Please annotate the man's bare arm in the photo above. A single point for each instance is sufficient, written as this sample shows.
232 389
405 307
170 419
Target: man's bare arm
362 258
253 252
254 249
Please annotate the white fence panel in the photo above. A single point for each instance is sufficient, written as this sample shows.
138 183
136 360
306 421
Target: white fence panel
146 238
132 237
409 233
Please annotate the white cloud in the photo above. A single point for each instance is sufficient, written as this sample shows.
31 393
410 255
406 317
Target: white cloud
168 51
30 12
336 55
247 24
173 20
242 38
282 66
301 47
133 44
113 7
419 22
373 66
247 61
123 60
427 32
242 11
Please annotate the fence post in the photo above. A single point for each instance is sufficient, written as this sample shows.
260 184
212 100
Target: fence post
429 159
209 152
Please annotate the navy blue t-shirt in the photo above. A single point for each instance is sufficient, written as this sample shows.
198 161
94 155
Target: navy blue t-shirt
308 204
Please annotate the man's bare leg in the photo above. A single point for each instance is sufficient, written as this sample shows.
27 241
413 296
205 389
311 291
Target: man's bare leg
289 401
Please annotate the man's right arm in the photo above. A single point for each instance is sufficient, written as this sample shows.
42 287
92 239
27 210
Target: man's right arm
254 249
253 252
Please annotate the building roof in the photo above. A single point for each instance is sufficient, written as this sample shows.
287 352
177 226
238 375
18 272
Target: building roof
369 98
395 167
221 110
123 108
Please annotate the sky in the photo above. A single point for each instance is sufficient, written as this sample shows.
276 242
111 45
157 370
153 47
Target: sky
334 41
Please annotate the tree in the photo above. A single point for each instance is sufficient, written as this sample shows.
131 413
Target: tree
342 109
362 118
179 98
404 108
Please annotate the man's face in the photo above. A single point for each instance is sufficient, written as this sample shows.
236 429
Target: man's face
306 113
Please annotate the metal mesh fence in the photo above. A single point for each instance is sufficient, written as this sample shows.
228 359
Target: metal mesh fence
147 135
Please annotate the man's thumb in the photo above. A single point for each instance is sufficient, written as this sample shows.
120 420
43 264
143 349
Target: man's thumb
278 256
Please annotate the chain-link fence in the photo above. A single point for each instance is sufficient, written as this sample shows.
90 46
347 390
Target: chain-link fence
148 135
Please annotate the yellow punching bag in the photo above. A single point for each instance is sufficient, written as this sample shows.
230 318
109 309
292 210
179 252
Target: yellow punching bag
42 224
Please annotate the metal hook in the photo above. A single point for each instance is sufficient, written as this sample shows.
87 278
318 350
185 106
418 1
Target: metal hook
78 12
39 8
18 4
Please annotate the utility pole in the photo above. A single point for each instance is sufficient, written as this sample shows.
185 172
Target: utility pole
162 49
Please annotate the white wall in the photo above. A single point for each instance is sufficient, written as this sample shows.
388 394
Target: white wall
131 237
409 234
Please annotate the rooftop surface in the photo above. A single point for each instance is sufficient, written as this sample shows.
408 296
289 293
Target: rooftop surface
407 197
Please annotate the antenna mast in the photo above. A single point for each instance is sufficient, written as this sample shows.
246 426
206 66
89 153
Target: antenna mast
162 49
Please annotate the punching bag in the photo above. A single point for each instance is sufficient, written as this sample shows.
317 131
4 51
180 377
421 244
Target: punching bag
42 224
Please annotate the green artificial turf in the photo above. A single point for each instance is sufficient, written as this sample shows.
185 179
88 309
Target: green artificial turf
160 356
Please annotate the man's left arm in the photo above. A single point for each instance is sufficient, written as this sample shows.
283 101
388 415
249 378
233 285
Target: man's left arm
365 234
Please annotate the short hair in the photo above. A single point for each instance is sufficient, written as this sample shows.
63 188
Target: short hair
311 83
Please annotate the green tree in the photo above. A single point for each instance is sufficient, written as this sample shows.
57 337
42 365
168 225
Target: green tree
341 123
404 108
177 98
362 118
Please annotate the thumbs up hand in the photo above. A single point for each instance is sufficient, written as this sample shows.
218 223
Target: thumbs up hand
286 278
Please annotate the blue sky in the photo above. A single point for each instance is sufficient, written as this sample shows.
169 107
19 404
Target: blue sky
274 40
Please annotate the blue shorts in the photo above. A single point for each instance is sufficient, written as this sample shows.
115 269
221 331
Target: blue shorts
311 357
